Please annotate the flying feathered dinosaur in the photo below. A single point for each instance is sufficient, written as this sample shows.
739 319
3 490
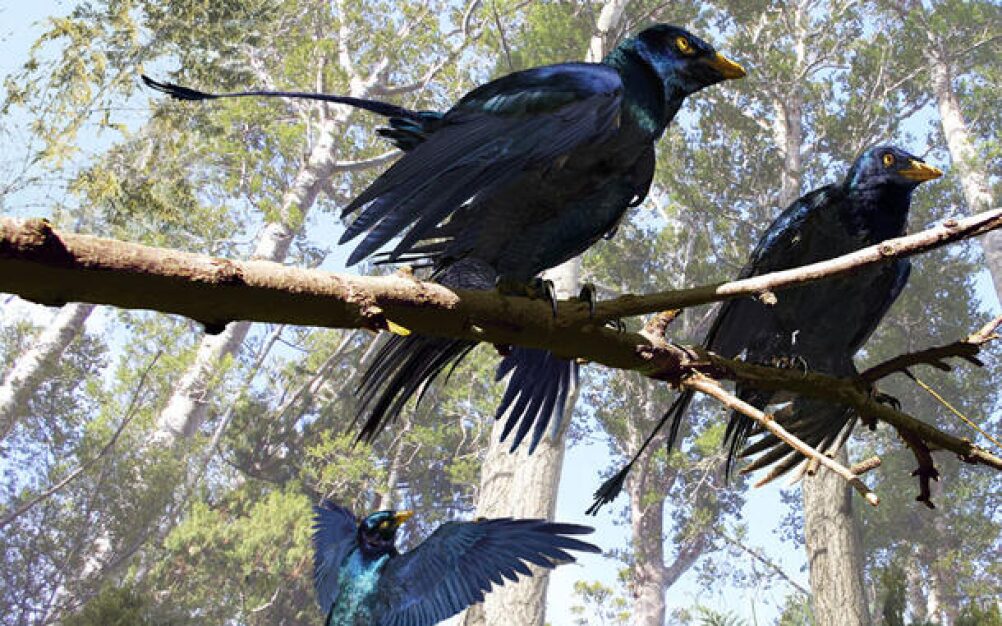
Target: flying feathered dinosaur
361 579
820 325
522 174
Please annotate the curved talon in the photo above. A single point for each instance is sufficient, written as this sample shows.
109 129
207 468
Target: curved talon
617 324
588 294
885 398
542 289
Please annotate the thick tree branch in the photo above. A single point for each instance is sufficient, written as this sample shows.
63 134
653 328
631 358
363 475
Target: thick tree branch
43 265
948 232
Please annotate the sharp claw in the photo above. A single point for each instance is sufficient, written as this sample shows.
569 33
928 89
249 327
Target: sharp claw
588 294
885 398
551 295
617 325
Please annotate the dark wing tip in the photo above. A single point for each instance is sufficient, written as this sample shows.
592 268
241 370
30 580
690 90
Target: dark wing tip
176 91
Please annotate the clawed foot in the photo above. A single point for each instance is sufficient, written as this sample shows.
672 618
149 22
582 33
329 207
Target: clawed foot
882 398
888 399
588 295
537 289
794 362
617 325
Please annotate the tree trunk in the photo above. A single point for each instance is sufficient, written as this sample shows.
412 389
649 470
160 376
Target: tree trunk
29 369
964 159
518 484
834 550
647 530
832 533
185 410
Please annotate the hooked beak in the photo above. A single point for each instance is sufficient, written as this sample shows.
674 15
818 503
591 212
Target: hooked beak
919 171
725 67
402 516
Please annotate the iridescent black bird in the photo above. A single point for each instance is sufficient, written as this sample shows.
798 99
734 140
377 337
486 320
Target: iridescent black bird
819 325
522 174
361 579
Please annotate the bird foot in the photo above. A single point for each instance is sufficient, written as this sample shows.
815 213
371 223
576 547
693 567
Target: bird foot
589 295
537 289
790 362
882 398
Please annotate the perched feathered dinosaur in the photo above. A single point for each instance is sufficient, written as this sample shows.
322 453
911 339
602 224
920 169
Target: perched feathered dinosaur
361 579
522 174
820 325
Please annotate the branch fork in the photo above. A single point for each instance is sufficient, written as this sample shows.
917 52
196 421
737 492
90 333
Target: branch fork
51 267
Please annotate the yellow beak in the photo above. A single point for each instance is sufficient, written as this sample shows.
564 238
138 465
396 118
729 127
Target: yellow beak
919 171
402 516
727 68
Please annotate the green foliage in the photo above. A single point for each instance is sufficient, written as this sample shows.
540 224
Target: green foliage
797 612
118 605
976 615
599 605
710 617
892 606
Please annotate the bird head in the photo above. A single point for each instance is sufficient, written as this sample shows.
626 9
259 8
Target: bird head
890 168
377 532
683 61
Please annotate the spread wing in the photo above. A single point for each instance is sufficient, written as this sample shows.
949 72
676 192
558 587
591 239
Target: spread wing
462 561
521 121
334 531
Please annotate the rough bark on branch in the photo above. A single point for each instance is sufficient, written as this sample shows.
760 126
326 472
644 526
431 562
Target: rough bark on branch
44 265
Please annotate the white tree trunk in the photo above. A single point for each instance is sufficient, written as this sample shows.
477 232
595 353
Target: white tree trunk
650 580
834 550
965 160
518 485
185 410
526 486
30 368
832 534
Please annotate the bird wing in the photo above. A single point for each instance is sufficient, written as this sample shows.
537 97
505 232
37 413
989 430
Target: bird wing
524 120
461 561
776 250
334 532
891 282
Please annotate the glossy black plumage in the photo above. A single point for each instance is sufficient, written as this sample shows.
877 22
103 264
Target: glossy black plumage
360 578
819 325
522 174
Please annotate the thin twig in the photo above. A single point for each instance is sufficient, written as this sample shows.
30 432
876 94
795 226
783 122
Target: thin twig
966 349
712 388
83 467
935 237
761 559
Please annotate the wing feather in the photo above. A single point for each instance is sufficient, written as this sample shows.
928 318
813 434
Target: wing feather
487 141
462 561
334 531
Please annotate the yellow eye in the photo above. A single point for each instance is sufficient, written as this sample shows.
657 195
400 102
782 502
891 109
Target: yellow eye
683 45
384 525
888 159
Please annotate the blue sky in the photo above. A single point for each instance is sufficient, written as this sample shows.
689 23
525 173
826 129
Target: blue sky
583 464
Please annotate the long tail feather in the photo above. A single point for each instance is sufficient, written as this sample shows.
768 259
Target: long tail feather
610 489
400 368
536 395
380 108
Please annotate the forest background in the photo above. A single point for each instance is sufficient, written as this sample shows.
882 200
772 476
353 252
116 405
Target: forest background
165 476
